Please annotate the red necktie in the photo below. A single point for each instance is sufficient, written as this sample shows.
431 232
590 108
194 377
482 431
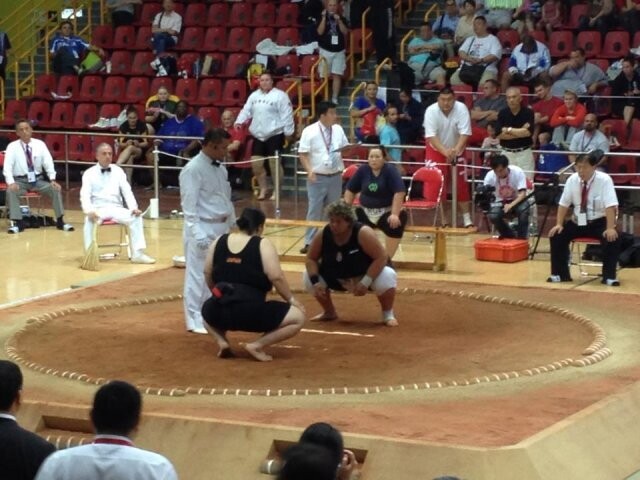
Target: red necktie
27 152
583 200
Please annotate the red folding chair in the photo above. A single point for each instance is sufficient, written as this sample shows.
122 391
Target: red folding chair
429 197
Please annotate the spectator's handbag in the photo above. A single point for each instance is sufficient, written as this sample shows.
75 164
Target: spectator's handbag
471 74
91 63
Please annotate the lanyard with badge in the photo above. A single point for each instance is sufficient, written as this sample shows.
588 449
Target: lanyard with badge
327 134
31 171
333 28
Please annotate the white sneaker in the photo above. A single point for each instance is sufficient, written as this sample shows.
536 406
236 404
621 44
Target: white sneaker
101 123
201 331
155 64
143 258
162 72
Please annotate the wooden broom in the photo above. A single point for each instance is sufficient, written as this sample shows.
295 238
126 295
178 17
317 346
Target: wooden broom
91 259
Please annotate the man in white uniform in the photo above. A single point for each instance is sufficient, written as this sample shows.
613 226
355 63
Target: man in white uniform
271 115
205 195
447 126
115 416
104 186
320 156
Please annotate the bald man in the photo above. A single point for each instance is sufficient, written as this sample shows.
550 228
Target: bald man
589 138
515 128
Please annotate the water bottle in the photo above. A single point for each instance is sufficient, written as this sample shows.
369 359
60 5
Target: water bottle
196 68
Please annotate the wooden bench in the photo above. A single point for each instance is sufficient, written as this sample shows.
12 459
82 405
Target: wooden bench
439 263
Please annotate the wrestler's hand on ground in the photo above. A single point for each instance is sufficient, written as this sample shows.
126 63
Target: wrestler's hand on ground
393 221
359 289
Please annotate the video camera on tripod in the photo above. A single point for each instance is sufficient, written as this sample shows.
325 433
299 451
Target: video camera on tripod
485 196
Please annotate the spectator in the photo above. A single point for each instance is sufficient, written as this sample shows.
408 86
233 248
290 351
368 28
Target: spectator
332 33
589 138
382 25
482 49
465 29
630 17
5 46
183 124
28 166
444 27
160 107
528 60
593 197
309 462
389 136
235 149
485 110
123 12
366 110
526 16
515 127
327 436
551 16
627 84
21 452
271 115
68 50
577 75
165 29
491 141
410 117
115 417
497 15
132 148
602 17
544 107
567 119
426 57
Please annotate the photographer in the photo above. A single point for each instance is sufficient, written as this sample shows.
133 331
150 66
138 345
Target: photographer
510 184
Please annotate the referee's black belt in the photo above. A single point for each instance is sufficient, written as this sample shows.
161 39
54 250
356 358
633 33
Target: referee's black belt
328 174
21 177
515 150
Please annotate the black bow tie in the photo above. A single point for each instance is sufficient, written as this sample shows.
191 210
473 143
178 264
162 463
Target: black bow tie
215 163
105 170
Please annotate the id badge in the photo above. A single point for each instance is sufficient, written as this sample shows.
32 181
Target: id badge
582 219
31 177
334 39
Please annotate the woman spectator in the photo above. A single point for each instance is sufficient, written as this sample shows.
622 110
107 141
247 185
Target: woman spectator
159 108
381 196
410 117
365 110
627 84
240 269
465 25
131 146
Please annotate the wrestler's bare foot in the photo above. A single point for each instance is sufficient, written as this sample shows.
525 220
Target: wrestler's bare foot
392 322
257 353
325 317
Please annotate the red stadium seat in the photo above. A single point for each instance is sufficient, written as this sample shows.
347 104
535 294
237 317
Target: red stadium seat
137 90
209 92
616 45
186 61
236 62
69 85
508 39
61 115
264 14
143 38
45 84
539 35
602 63
158 82
80 148
14 110
306 64
577 11
616 127
114 90
218 15
187 89
55 144
239 39
39 113
210 115
124 38
121 62
259 34
590 42
90 88
286 86
288 62
622 169
110 110
287 15
560 43
288 36
218 60
86 114
633 142
148 13
141 64
464 94
234 93
102 36
215 39
192 38
241 14
194 15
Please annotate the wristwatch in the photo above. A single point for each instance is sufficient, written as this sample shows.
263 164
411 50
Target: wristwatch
509 129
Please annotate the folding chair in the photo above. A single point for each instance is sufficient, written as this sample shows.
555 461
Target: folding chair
429 198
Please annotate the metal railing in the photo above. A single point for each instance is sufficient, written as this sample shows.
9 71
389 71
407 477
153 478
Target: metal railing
352 120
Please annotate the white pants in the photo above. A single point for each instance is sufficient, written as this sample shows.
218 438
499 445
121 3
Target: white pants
123 216
387 279
196 290
523 159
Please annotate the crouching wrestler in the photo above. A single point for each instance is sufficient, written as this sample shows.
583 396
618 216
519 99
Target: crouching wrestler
240 270
347 256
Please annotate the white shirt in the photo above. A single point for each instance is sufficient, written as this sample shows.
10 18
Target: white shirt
172 21
105 189
320 142
581 142
106 462
447 128
480 47
270 114
507 188
205 195
15 160
601 194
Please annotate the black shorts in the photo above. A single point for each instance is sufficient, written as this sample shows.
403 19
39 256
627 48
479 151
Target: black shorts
383 224
247 316
269 147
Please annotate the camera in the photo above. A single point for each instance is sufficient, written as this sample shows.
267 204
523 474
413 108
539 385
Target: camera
485 196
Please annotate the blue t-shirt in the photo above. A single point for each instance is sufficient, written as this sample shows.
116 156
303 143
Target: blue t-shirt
389 136
74 44
189 127
376 191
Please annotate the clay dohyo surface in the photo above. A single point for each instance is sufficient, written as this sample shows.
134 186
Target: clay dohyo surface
440 338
